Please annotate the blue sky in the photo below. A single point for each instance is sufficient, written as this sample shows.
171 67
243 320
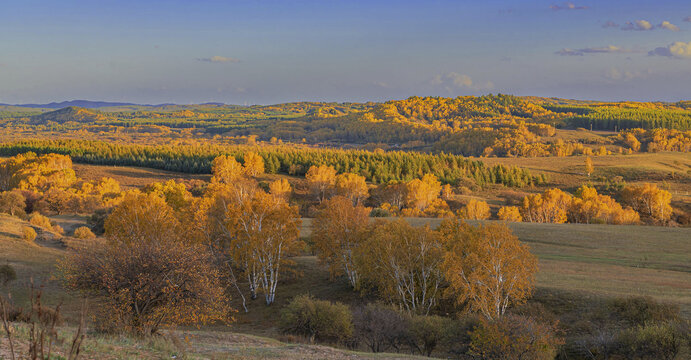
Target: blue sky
261 52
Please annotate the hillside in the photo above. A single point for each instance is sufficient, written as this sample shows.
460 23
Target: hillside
69 114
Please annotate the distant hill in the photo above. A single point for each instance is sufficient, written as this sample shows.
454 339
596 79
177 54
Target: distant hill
70 114
79 103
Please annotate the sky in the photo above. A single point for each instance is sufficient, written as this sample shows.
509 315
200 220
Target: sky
267 52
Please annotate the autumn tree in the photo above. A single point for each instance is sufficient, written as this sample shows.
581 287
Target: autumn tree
548 207
150 275
321 180
253 164
338 231
486 266
280 189
590 207
509 213
589 168
648 200
174 193
226 169
421 192
403 263
352 186
261 234
13 203
475 210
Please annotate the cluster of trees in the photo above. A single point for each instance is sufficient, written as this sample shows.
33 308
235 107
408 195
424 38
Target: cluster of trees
377 167
655 140
587 206
486 267
626 115
47 183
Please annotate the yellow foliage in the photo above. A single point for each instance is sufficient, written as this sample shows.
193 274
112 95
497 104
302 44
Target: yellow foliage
475 210
486 266
83 232
28 234
421 192
280 189
226 169
549 207
352 186
253 164
321 180
510 213
648 200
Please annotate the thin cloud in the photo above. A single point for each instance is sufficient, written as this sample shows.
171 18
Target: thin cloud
678 49
610 24
638 25
611 49
453 80
688 19
219 59
567 6
669 26
616 74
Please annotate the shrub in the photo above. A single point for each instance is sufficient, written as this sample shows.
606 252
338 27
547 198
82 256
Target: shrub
97 221
317 319
29 234
380 328
514 337
40 220
379 212
58 229
7 274
426 332
83 232
652 341
639 310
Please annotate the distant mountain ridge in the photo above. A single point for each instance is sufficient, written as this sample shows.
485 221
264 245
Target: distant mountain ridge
69 114
87 104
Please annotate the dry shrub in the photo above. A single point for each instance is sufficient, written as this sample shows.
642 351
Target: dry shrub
29 234
83 232
40 220
7 274
515 337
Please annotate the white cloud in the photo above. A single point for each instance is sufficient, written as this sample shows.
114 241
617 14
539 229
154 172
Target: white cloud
611 49
638 25
669 26
678 49
219 59
453 80
567 6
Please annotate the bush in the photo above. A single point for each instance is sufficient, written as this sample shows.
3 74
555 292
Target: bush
652 341
29 234
379 212
58 229
380 328
640 310
97 221
40 220
317 319
426 332
7 274
514 337
83 232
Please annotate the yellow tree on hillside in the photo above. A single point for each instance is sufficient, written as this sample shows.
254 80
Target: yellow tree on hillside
486 266
422 192
338 231
403 263
589 168
475 210
253 164
509 213
321 180
648 200
280 189
226 169
352 186
262 233
548 207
